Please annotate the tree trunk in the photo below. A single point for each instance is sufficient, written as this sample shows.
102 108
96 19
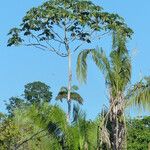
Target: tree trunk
117 124
69 84
69 71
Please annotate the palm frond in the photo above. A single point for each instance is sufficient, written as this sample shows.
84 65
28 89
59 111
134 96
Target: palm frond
74 88
73 96
86 129
63 94
81 68
139 95
120 64
98 57
63 88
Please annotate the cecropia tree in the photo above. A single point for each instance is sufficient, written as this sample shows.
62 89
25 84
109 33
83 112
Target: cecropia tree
63 26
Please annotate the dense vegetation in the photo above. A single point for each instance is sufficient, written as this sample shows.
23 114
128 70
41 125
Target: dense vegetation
63 27
31 125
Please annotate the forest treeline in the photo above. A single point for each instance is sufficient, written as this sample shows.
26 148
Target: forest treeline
33 123
65 27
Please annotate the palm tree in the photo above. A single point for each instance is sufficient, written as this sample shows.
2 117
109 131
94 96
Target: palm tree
74 96
117 73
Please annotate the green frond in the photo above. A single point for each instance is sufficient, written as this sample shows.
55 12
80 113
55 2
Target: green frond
81 68
116 71
74 88
73 96
98 57
63 94
48 121
119 41
139 95
64 89
120 64
86 129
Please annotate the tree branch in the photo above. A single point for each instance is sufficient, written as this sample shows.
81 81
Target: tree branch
43 47
57 35
78 46
56 51
28 139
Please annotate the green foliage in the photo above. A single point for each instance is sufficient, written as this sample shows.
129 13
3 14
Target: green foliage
37 92
74 95
138 134
60 23
116 70
34 93
117 74
83 131
9 134
47 128
14 102
139 94
76 19
32 128
2 115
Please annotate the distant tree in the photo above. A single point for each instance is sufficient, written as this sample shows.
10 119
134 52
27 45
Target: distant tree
14 103
63 26
34 93
117 73
138 135
37 93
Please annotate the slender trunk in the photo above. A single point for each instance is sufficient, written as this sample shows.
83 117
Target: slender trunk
69 84
69 77
117 133
69 71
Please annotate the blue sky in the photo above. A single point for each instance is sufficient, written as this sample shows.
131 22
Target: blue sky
21 65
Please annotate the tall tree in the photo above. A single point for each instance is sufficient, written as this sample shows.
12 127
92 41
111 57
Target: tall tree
63 26
117 74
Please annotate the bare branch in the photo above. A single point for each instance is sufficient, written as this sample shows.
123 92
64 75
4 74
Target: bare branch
35 38
58 41
57 35
79 46
40 46
56 51
43 47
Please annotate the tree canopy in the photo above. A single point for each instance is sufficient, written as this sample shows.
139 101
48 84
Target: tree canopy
77 19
